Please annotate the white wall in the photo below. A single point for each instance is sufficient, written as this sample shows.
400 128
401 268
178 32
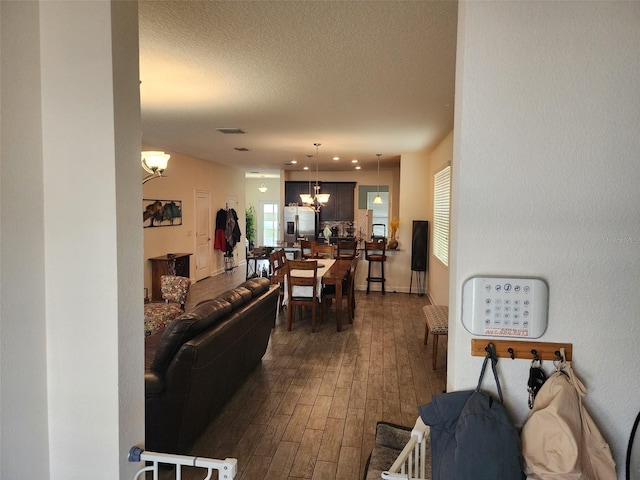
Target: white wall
24 445
415 191
71 346
184 176
545 183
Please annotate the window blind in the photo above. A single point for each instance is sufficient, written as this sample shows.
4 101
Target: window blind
441 209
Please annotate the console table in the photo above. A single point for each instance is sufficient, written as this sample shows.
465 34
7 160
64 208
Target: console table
170 264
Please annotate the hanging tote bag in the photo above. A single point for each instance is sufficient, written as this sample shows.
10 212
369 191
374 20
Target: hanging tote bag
472 435
560 440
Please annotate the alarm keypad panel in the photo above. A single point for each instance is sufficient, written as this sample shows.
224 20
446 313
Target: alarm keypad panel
505 306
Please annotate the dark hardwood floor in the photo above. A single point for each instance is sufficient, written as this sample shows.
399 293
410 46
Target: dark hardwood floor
309 410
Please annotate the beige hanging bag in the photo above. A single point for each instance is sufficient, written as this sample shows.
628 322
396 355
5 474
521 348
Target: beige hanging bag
560 440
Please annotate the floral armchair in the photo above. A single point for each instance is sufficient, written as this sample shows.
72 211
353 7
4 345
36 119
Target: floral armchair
174 293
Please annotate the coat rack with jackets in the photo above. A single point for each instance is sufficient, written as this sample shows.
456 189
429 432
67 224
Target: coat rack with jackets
227 234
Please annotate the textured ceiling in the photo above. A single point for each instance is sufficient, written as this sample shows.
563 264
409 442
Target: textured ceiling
359 77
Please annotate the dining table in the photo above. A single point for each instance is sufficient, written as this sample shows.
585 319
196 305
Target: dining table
330 272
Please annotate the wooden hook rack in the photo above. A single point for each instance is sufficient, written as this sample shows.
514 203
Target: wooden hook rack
520 349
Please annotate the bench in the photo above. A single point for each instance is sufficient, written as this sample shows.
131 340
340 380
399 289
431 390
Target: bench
437 323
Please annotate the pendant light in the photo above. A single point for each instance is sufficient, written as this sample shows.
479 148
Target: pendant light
378 199
263 188
318 199
306 198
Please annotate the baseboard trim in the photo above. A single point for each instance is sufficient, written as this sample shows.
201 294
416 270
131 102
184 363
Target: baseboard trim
241 263
430 298
387 289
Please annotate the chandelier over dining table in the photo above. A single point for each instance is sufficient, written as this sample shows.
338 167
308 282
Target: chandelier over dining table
318 199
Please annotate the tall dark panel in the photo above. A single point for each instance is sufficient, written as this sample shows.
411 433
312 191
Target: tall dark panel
419 245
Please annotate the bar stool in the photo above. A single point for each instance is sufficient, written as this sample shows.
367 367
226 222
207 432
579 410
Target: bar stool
375 252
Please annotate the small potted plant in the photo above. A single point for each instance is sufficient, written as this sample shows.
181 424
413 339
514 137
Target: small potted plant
393 225
250 216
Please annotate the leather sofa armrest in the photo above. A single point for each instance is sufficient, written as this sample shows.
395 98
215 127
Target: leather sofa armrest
153 384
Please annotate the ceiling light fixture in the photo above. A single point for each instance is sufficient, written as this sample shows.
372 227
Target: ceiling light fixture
306 198
263 188
336 158
378 199
319 199
154 163
354 161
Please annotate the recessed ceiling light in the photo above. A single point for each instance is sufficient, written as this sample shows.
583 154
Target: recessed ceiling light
293 162
336 158
305 168
358 167
354 161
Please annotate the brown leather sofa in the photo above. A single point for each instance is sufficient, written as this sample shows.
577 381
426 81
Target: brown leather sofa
197 362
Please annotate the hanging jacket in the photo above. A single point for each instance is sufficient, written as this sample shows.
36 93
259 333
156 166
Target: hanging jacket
236 230
228 233
220 242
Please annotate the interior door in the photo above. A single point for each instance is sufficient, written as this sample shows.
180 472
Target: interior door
203 234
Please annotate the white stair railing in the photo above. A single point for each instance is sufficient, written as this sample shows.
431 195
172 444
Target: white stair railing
226 468
411 462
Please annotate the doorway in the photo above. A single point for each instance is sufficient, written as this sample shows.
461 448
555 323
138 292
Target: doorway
269 224
203 234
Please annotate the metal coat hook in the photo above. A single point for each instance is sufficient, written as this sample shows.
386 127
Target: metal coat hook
559 357
491 352
512 354
536 358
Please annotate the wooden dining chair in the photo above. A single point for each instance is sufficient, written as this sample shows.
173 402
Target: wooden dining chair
278 272
348 292
347 250
352 287
322 251
306 248
294 280
282 256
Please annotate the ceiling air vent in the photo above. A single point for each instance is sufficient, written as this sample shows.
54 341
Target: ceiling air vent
230 130
241 149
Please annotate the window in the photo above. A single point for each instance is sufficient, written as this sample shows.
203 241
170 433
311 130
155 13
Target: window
441 208
379 211
270 224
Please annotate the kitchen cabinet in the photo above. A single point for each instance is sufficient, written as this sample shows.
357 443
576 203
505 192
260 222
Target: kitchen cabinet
339 208
345 203
328 213
292 191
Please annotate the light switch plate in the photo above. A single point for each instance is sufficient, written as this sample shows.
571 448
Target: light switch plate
505 306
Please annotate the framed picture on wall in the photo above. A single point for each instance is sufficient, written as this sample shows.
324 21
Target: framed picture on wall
161 213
